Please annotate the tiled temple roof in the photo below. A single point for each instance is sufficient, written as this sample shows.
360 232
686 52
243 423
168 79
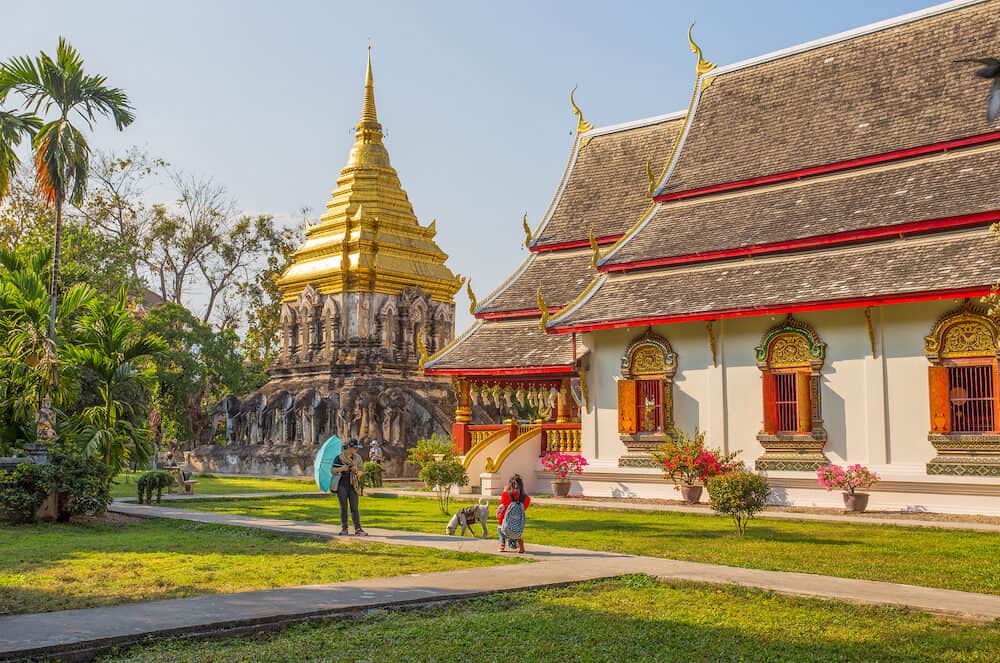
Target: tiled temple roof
505 344
560 274
607 187
885 89
830 277
945 185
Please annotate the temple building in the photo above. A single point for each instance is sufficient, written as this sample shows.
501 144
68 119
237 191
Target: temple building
366 292
794 265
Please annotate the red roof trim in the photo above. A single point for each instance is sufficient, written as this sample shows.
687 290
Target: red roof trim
578 244
831 167
523 370
931 295
519 313
811 242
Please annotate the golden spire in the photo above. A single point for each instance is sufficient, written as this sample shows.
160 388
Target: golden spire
368 113
369 237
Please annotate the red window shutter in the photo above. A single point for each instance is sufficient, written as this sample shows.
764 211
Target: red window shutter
940 407
996 399
628 407
770 403
803 401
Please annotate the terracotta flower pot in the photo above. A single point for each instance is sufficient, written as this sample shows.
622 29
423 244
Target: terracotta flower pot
691 494
855 501
560 487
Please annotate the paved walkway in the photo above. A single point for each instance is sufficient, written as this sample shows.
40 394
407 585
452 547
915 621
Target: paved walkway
94 629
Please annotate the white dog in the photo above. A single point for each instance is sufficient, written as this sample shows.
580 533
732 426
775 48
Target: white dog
468 517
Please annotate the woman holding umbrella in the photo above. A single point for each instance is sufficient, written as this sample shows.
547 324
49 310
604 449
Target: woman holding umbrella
346 469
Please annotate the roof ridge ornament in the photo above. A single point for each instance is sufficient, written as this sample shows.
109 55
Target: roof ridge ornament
595 249
527 231
472 297
703 66
650 176
543 322
582 126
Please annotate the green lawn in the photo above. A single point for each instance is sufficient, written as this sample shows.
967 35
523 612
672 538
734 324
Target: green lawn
209 484
629 619
916 556
56 567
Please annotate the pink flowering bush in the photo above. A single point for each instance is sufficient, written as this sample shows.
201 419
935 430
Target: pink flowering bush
686 460
834 477
563 464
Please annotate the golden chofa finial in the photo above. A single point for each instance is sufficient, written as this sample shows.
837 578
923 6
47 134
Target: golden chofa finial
472 297
595 250
581 124
703 66
651 187
543 322
527 231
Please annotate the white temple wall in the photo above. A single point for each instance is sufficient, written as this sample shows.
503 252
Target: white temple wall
874 408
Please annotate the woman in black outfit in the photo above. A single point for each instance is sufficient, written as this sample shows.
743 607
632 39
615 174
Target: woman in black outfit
348 466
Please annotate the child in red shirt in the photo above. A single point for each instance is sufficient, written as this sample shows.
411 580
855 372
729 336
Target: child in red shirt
514 493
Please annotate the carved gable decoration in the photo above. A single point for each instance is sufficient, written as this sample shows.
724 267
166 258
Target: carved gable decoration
967 332
649 355
791 344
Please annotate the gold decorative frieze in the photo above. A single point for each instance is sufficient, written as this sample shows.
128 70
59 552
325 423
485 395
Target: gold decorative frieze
966 332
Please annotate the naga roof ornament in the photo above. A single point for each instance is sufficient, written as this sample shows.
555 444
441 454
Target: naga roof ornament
703 66
543 322
472 297
581 124
595 249
527 231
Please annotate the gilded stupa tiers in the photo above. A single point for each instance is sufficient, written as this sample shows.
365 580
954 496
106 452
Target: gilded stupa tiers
369 239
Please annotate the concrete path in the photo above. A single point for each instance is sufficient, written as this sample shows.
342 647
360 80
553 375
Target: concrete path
84 632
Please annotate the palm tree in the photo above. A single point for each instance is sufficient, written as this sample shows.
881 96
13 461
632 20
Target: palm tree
13 127
114 350
28 360
62 155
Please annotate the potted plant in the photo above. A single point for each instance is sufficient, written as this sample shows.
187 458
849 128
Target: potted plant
848 480
562 465
685 460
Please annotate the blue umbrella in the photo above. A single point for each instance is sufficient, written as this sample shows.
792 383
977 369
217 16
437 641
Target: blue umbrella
324 460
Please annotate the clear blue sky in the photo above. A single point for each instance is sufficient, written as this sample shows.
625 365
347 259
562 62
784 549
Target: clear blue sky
263 97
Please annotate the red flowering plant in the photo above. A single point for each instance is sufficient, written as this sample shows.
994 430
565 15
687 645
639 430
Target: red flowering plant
686 459
563 464
848 480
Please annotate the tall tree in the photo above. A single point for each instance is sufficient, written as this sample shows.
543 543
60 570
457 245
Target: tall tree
62 155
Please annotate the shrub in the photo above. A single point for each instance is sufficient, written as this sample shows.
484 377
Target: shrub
372 474
428 447
738 494
686 460
155 480
563 464
849 480
83 482
442 475
22 491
